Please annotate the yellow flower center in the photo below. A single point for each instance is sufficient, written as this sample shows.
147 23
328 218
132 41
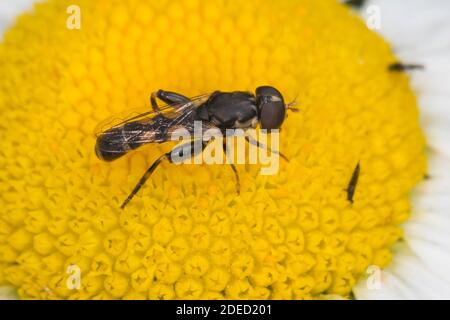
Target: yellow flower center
187 234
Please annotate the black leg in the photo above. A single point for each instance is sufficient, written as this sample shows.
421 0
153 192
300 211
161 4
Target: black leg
233 167
261 145
182 152
168 97
171 97
143 180
236 174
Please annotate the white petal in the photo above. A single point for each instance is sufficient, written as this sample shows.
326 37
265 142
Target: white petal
407 278
389 289
436 257
419 278
10 9
7 293
409 23
438 138
433 195
419 31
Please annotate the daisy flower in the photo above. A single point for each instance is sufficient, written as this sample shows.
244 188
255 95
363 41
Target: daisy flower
313 231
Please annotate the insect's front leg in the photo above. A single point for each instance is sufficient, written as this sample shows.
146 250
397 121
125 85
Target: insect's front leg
168 97
255 142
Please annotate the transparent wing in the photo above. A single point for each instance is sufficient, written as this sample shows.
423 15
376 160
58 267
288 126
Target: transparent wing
149 127
171 111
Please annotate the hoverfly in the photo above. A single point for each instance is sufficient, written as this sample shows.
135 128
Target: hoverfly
219 110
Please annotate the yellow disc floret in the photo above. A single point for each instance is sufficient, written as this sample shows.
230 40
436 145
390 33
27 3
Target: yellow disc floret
187 234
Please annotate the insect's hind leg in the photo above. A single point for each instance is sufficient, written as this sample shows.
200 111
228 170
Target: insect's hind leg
177 154
143 180
233 167
167 97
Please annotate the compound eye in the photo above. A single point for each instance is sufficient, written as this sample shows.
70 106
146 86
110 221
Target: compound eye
271 107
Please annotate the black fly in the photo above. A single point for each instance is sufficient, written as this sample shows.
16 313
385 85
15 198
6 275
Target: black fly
353 182
219 110
401 67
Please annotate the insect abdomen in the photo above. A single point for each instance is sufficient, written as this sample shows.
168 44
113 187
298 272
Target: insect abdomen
116 142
